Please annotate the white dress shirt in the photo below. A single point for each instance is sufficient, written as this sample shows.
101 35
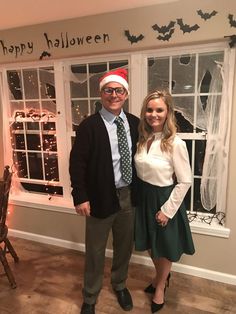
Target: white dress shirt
157 168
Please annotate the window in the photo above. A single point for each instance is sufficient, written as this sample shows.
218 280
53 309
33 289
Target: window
196 80
43 105
32 102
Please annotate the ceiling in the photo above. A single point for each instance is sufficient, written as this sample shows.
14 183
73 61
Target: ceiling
27 12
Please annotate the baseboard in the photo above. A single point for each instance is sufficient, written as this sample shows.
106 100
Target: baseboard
138 259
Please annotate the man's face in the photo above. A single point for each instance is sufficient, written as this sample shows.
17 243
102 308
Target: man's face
113 96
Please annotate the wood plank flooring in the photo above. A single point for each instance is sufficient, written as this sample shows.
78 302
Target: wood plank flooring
50 279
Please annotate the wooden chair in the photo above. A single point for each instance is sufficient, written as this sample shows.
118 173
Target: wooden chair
5 185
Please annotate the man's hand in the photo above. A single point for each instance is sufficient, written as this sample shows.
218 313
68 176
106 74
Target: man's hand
83 209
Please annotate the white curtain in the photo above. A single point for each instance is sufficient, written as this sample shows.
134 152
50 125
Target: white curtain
213 183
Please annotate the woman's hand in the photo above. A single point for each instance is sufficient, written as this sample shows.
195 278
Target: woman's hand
83 209
161 218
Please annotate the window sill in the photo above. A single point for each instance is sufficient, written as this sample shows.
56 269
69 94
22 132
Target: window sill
59 204
211 230
45 202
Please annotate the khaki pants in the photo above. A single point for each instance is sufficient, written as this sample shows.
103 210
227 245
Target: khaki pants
97 231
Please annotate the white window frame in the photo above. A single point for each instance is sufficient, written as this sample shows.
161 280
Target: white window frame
138 88
197 226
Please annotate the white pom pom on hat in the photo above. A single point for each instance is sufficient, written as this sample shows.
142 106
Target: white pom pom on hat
118 76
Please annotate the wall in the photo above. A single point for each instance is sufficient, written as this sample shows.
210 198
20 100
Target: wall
212 253
106 32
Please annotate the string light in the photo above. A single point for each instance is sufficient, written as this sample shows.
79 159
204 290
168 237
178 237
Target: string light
48 146
218 217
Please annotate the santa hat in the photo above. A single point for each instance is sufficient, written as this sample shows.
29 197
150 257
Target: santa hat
118 76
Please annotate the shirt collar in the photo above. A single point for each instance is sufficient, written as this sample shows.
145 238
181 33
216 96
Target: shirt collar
110 117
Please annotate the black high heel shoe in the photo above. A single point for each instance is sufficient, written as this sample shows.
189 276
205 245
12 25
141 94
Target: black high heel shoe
150 289
155 307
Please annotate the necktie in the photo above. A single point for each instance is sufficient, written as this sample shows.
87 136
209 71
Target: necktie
126 168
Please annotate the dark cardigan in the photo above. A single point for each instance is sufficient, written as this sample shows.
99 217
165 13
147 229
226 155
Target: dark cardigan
91 169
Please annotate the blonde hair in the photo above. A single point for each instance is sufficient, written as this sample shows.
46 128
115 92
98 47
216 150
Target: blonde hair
169 128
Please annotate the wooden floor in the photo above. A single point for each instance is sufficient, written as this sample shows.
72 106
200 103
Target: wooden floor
50 278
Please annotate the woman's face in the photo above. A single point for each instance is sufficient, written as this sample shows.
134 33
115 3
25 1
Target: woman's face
156 114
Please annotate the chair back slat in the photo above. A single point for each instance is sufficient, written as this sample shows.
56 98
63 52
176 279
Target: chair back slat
5 185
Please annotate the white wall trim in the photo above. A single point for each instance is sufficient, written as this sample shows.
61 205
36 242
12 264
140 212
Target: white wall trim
137 259
63 205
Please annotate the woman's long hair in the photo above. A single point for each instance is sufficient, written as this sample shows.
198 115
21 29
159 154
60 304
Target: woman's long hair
169 128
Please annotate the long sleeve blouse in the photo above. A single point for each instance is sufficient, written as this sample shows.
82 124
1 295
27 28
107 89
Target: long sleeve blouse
159 168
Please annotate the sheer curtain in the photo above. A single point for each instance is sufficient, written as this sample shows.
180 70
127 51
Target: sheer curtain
214 174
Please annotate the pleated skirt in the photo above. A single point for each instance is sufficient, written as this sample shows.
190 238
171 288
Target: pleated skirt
170 241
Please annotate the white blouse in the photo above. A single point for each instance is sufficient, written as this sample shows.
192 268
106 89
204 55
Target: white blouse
157 168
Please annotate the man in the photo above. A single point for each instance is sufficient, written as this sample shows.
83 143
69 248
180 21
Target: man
103 183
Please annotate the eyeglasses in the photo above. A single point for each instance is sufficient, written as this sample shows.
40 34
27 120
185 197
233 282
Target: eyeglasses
118 90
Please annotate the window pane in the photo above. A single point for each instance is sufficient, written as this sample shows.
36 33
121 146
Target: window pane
197 205
49 109
200 147
15 84
187 200
95 106
118 64
31 87
49 143
95 72
42 188
158 73
35 166
32 126
189 144
201 116
47 83
184 112
33 109
49 126
17 126
19 159
183 74
16 108
78 81
79 111
207 64
18 141
33 142
51 167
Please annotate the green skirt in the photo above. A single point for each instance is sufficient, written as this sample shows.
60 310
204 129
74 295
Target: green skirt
170 241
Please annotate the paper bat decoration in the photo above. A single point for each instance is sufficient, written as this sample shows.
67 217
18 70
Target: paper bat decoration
44 54
166 36
205 15
232 41
132 38
232 22
165 28
186 28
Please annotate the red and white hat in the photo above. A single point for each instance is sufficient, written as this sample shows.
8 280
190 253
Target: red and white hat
118 76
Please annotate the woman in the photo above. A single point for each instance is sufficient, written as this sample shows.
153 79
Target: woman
164 173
